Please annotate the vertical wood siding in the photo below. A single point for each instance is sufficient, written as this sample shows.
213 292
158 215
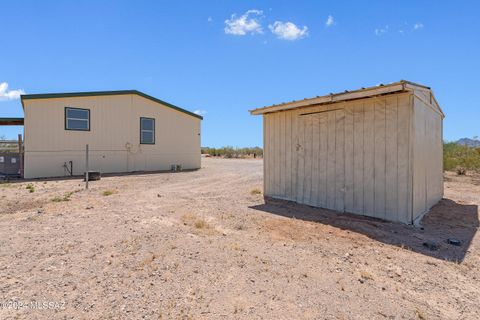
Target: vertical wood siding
427 161
349 156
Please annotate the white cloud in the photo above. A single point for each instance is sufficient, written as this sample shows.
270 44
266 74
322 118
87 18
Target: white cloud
418 26
288 30
6 94
209 19
330 21
381 31
200 112
246 23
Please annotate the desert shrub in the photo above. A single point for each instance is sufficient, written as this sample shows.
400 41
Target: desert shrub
66 196
198 223
255 192
30 187
232 152
107 193
460 158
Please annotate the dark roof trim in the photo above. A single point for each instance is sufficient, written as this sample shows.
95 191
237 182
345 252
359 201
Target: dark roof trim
106 93
11 121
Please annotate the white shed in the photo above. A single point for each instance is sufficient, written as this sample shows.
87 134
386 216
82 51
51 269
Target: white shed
375 151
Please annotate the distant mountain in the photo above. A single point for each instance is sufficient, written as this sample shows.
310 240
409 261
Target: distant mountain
473 143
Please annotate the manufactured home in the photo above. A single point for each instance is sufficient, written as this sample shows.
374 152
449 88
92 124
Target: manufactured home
126 131
375 151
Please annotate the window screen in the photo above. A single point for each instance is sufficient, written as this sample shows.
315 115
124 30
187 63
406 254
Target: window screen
77 119
147 131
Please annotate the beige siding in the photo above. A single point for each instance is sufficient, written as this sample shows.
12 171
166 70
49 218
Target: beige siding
347 156
114 136
427 156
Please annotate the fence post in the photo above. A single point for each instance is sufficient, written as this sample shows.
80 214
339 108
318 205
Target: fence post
20 153
86 167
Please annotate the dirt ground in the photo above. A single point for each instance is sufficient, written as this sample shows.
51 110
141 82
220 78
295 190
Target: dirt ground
205 245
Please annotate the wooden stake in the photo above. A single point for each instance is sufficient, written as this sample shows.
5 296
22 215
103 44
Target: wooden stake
86 167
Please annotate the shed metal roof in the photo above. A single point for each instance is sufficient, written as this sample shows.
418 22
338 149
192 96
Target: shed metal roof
105 93
400 86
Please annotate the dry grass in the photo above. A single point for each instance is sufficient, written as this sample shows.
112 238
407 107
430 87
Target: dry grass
66 196
201 224
237 247
366 275
147 261
420 314
256 192
198 223
239 226
107 193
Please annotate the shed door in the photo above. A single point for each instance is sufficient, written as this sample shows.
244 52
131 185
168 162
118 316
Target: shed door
321 167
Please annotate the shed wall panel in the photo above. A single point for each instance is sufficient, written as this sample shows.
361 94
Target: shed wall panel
349 156
331 164
380 158
404 110
315 194
427 157
420 147
322 160
358 154
391 158
276 153
369 159
288 155
339 160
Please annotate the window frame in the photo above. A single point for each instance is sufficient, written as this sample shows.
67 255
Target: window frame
153 130
66 119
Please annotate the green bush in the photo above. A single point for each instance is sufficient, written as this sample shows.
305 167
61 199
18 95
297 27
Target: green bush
30 187
457 157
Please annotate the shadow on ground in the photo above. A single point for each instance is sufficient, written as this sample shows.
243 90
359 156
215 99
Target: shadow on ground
447 219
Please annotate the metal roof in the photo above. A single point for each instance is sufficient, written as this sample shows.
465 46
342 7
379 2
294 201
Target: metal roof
381 89
105 93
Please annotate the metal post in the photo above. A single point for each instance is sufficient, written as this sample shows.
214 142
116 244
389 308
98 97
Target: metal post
86 167
20 153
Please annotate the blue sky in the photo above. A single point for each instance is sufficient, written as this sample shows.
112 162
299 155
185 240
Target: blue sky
195 54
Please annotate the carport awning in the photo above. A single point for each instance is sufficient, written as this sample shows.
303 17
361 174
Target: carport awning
11 121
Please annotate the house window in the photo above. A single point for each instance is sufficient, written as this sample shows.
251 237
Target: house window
77 119
13 160
147 131
2 159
